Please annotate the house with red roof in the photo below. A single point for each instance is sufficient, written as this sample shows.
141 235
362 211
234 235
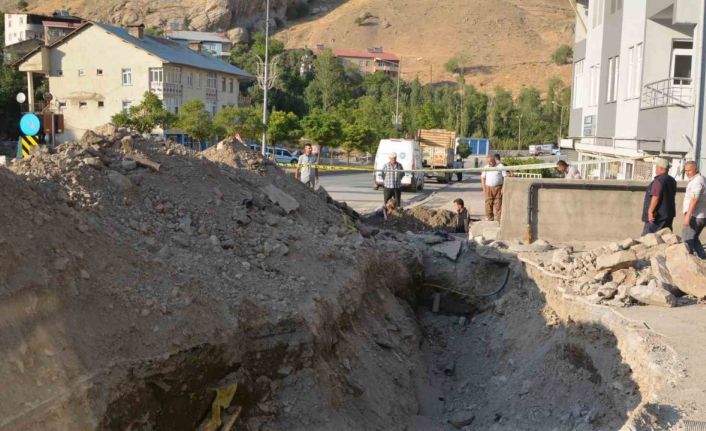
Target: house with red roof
368 61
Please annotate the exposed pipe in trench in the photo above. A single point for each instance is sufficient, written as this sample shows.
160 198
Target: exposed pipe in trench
533 192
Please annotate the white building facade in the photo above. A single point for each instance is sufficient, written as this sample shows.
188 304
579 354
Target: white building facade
99 70
637 84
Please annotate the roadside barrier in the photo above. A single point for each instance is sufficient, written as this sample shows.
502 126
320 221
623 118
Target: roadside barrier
537 166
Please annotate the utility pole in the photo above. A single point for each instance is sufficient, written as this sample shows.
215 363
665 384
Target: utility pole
266 79
519 133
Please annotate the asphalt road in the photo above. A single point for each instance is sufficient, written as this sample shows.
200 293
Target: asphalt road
356 189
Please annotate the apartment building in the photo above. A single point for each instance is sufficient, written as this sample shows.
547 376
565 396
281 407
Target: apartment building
369 61
20 27
215 43
99 70
637 84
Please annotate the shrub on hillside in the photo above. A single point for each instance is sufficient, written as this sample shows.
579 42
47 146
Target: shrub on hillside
563 55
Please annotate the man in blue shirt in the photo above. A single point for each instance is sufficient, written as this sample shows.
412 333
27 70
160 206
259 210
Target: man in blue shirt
659 207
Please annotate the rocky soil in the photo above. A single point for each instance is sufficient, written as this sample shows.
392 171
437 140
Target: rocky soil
140 282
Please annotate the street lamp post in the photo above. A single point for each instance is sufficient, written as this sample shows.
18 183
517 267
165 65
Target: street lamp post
266 65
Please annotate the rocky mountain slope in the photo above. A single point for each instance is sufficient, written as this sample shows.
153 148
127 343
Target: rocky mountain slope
498 42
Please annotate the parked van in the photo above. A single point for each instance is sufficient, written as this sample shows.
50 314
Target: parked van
409 155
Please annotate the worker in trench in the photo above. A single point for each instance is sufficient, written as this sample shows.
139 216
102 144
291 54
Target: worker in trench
462 218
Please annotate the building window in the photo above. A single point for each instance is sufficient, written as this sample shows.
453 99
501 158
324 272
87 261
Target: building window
578 84
101 104
99 72
62 104
613 74
82 104
59 72
230 84
190 79
126 105
211 81
81 72
156 74
634 71
594 84
198 80
127 76
596 10
223 84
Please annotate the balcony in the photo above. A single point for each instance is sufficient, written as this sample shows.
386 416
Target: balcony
165 88
667 92
211 93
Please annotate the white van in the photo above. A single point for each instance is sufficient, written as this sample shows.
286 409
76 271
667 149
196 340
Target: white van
409 155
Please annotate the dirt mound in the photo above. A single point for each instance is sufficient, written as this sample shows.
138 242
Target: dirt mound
417 219
139 276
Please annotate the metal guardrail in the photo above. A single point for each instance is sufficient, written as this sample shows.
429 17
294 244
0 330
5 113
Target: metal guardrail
526 175
667 92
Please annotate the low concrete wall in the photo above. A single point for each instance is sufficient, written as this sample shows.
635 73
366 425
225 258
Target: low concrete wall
575 215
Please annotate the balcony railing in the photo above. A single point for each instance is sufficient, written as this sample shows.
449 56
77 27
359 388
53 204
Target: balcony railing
667 92
165 88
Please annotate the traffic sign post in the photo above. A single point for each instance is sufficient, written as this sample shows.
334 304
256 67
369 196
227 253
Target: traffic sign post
30 124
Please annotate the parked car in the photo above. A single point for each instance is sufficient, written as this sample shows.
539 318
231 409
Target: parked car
281 155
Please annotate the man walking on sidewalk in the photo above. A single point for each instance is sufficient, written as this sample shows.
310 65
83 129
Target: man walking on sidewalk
392 180
659 208
694 210
492 183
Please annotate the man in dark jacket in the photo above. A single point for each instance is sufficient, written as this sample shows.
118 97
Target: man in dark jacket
462 219
659 208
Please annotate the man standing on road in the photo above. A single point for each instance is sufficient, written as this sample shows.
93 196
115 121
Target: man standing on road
492 183
566 171
659 207
694 210
392 173
458 164
305 172
462 219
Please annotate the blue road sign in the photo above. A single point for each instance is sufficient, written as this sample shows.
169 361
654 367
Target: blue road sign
30 124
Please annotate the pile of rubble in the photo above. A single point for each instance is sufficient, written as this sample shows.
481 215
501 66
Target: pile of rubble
655 269
138 275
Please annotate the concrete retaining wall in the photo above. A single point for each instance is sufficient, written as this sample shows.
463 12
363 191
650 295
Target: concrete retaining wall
575 215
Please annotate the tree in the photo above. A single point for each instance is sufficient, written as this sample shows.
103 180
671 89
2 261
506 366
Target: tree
246 121
283 126
22 5
563 55
357 137
274 46
457 63
322 128
143 118
329 85
194 120
500 114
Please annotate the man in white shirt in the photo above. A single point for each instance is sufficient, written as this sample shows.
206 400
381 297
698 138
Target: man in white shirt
694 210
567 171
306 172
492 183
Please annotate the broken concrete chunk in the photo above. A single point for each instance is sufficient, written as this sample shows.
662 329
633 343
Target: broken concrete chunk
561 257
653 293
671 238
462 419
128 165
627 243
658 265
120 180
651 240
688 272
450 249
94 162
282 199
620 260
541 245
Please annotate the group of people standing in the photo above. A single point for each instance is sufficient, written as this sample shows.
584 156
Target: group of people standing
659 205
658 211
